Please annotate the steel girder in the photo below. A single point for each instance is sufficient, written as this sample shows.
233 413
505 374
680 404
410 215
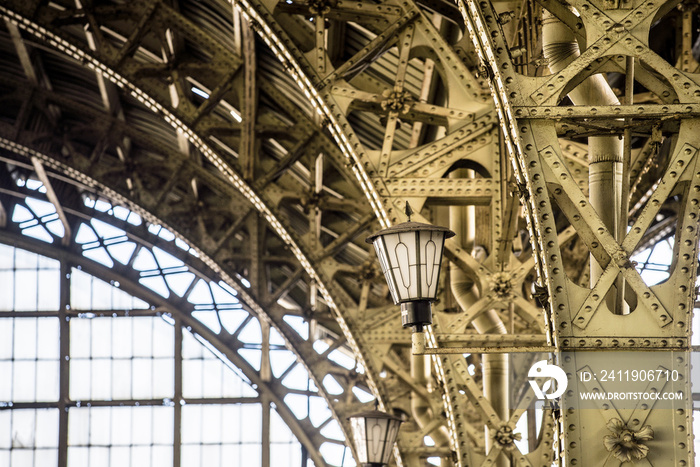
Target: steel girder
614 38
154 78
402 59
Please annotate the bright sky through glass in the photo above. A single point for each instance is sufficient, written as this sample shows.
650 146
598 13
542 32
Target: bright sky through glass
123 358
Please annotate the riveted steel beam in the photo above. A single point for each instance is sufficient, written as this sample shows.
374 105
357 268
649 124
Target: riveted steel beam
619 31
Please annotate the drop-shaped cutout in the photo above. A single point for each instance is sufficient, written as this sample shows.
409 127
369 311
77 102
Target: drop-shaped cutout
404 268
430 249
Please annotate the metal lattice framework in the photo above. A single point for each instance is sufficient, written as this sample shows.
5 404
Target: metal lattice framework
614 38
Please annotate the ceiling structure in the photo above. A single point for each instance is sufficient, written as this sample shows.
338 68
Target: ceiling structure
273 137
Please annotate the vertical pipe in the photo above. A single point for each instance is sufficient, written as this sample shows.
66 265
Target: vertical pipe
265 445
626 160
420 408
605 153
495 367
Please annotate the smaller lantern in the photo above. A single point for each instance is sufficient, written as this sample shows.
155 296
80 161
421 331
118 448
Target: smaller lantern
374 434
410 255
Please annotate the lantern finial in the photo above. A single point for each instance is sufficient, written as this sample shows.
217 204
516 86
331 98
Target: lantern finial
408 211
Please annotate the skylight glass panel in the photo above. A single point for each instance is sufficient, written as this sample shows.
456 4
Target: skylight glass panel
179 282
99 255
362 395
205 375
22 276
121 358
334 453
285 449
252 356
122 251
234 436
222 296
653 263
332 386
56 227
318 411
232 319
251 333
106 230
91 293
129 435
209 318
145 261
33 440
320 346
276 338
299 324
200 294
298 378
35 185
156 284
102 205
332 430
166 260
85 234
21 214
342 359
280 361
41 208
38 232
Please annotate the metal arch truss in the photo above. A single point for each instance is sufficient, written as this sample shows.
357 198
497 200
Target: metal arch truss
398 91
535 124
287 221
394 84
408 78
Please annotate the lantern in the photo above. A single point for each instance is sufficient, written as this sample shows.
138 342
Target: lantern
410 255
374 434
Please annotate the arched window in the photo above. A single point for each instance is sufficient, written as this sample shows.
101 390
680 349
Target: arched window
132 368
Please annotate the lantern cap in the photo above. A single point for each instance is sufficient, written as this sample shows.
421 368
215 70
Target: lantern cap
376 414
411 227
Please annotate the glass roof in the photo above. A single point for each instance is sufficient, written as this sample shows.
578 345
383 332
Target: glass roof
136 387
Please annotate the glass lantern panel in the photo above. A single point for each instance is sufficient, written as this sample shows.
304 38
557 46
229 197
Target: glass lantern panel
402 260
382 254
376 432
391 433
431 256
360 438
407 253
